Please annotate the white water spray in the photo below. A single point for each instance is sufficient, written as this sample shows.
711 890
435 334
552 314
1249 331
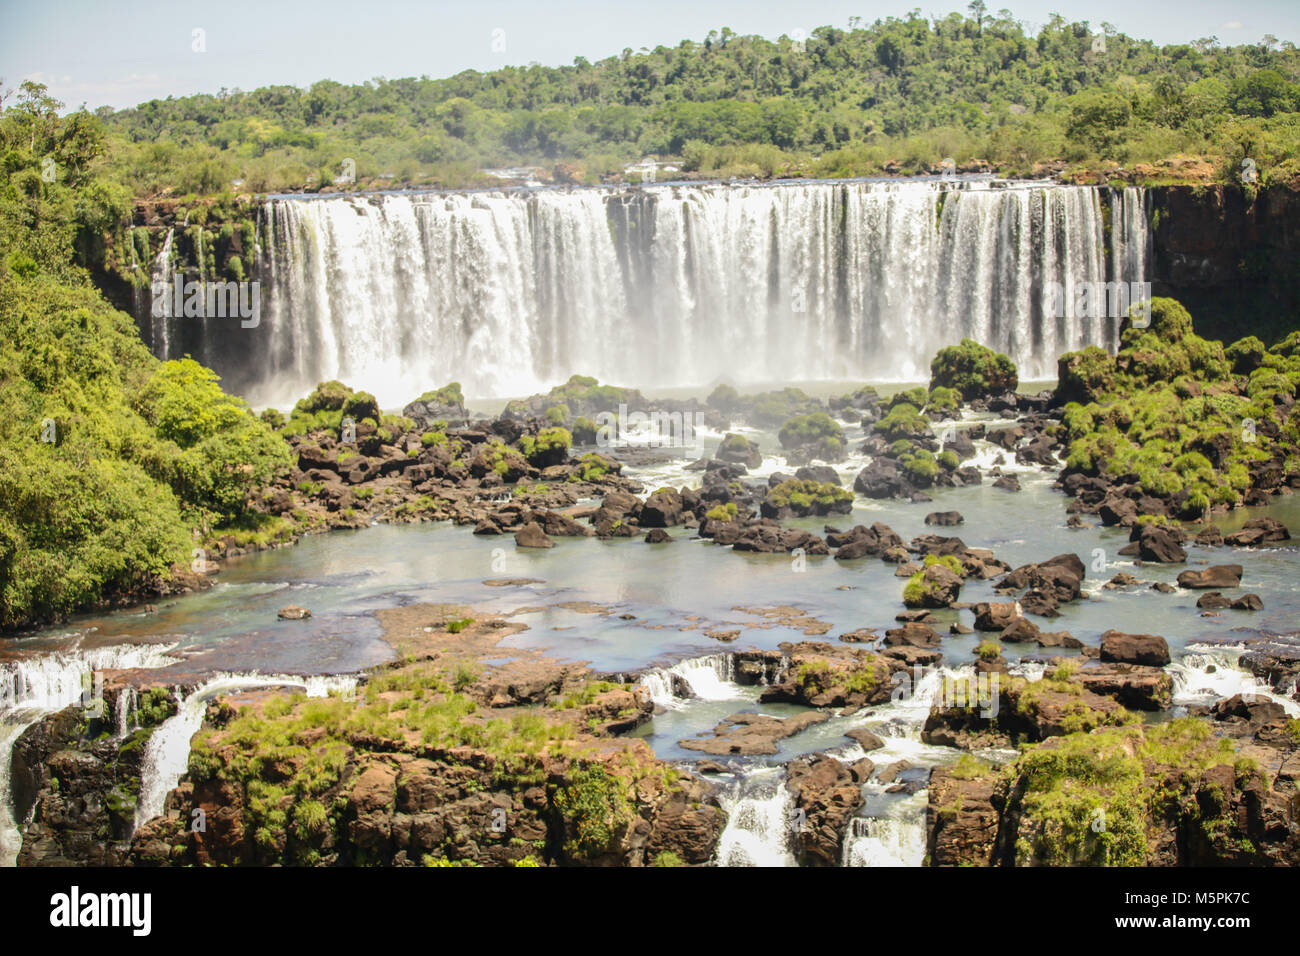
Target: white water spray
674 285
168 752
33 687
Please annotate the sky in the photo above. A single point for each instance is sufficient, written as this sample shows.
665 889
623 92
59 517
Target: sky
106 52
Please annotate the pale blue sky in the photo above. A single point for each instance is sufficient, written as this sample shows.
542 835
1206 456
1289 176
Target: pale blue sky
101 52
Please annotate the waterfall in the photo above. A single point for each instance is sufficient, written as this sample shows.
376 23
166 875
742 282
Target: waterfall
1130 238
759 821
33 687
896 839
160 278
167 754
509 292
127 704
1207 674
898 836
712 677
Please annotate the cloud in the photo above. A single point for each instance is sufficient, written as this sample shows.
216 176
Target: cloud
1231 25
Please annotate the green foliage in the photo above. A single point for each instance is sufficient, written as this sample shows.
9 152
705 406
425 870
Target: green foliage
723 512
1171 410
804 497
946 401
449 394
903 421
817 433
549 447
596 806
907 89
972 370
225 451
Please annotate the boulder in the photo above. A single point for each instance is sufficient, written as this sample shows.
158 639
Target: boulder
994 617
531 535
944 519
1020 630
1146 649
661 510
1215 576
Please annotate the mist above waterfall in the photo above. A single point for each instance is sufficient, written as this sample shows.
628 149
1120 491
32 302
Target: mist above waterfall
677 285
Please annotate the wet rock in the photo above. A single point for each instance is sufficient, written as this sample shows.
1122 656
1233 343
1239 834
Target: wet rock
1136 687
1215 576
913 634
661 510
657 536
994 617
961 820
865 739
739 450
826 796
938 587
1210 537
862 542
882 478
752 734
1146 649
531 535
944 519
293 613
1258 531
1020 630
1156 544
1008 483
819 473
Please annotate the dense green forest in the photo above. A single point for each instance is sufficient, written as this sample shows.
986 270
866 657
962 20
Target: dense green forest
910 91
114 465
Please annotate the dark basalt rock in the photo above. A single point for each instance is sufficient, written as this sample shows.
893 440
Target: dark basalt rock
1215 576
1146 649
944 519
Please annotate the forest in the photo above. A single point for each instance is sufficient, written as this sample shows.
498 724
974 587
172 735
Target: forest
897 95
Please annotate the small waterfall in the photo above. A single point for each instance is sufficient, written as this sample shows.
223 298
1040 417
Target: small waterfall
760 818
128 703
712 677
672 285
160 278
898 836
1130 239
1207 674
168 752
897 839
34 687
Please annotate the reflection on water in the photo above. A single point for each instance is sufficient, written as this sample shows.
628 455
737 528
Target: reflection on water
345 576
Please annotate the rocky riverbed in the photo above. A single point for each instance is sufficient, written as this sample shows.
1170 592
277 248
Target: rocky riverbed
973 656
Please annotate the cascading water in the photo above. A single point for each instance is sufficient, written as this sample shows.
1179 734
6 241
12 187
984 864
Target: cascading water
759 821
896 839
1207 674
168 752
712 677
128 703
160 275
509 292
35 687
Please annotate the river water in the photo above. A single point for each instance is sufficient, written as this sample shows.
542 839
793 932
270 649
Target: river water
655 602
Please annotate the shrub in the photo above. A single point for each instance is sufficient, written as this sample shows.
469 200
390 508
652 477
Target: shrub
973 371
